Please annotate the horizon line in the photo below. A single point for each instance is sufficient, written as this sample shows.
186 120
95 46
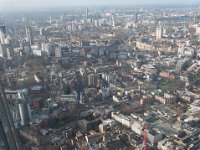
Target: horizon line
99 6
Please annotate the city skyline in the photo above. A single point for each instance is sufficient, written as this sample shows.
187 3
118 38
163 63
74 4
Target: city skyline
107 75
19 5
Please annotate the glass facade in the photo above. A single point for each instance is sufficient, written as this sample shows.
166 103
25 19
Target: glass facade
8 137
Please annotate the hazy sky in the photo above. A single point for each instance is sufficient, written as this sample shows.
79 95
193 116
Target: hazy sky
28 4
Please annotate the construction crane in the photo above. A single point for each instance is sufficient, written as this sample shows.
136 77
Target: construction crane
145 136
89 146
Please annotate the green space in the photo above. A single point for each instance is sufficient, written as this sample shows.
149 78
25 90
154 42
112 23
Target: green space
62 123
171 85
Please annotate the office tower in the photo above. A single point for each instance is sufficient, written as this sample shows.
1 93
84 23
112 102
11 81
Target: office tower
8 136
50 20
93 80
113 20
2 50
2 34
42 30
24 112
29 34
87 14
6 51
159 33
24 108
136 18
3 29
58 52
194 19
78 85
26 47
48 49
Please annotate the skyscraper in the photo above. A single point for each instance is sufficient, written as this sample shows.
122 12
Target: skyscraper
113 20
136 18
6 50
78 85
29 34
24 108
3 29
2 34
93 80
86 14
8 136
24 111
159 33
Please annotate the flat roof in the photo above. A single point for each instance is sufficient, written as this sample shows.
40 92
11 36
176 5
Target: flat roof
36 88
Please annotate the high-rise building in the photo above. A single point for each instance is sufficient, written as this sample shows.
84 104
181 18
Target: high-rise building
24 108
29 34
2 34
136 18
8 136
159 33
113 20
42 30
78 85
93 80
24 111
26 47
47 48
6 51
87 14
58 52
3 29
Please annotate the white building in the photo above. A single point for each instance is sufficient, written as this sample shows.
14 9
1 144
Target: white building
2 38
159 33
58 52
137 127
122 119
71 98
6 51
37 52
